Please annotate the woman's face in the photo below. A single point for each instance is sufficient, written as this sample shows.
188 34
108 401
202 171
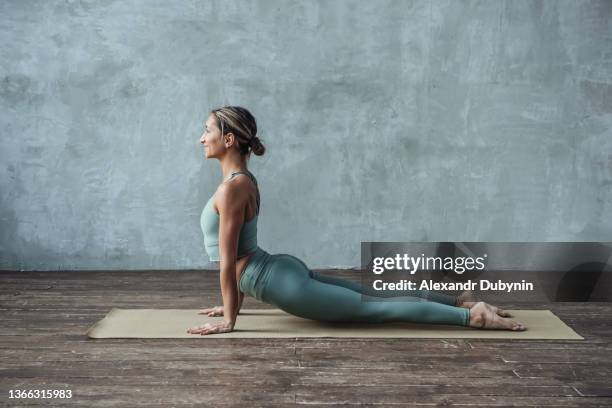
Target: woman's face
211 139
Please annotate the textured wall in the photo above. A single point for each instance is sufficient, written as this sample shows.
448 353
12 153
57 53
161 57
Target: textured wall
385 120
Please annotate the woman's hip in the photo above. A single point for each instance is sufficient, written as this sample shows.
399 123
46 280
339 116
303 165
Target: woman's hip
285 279
273 274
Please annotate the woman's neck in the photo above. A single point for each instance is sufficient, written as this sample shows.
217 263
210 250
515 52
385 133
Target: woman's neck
231 166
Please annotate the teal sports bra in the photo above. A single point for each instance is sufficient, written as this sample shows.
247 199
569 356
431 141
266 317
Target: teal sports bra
209 221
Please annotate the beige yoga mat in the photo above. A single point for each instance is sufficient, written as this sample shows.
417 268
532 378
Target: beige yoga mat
274 323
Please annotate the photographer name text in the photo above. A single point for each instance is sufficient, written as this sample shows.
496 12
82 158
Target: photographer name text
483 284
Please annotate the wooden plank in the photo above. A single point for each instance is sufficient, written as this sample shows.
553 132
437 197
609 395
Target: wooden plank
43 318
397 396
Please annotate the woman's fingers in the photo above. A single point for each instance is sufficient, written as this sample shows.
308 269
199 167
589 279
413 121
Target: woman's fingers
212 311
207 328
203 331
198 329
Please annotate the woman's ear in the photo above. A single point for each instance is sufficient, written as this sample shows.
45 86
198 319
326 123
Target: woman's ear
229 140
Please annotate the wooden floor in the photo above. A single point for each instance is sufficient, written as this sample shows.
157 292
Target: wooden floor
43 346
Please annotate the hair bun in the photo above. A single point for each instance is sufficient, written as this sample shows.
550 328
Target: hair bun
256 146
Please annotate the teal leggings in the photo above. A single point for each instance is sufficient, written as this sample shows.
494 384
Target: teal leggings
286 282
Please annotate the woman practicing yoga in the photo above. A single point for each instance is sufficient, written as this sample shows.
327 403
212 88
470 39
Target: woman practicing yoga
229 226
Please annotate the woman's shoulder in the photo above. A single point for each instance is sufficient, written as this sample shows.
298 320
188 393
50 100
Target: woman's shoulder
231 193
234 185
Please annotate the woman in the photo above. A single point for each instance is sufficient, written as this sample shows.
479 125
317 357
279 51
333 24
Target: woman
229 225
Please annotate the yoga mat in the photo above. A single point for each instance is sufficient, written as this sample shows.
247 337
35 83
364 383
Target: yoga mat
275 323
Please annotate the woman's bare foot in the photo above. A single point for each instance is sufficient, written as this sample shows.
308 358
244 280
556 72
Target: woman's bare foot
483 317
466 296
467 300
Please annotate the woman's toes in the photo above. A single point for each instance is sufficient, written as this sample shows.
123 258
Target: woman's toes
485 316
499 311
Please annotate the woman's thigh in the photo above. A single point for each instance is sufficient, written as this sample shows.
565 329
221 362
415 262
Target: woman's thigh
291 287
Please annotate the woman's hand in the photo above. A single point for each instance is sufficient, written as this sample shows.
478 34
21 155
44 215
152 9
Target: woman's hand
212 328
212 311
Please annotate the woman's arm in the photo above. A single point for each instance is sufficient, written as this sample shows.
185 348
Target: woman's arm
231 213
231 219
241 298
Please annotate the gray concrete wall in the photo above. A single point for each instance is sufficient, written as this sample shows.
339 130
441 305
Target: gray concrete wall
383 120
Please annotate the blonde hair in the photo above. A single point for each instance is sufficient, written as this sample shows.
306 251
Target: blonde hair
242 124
